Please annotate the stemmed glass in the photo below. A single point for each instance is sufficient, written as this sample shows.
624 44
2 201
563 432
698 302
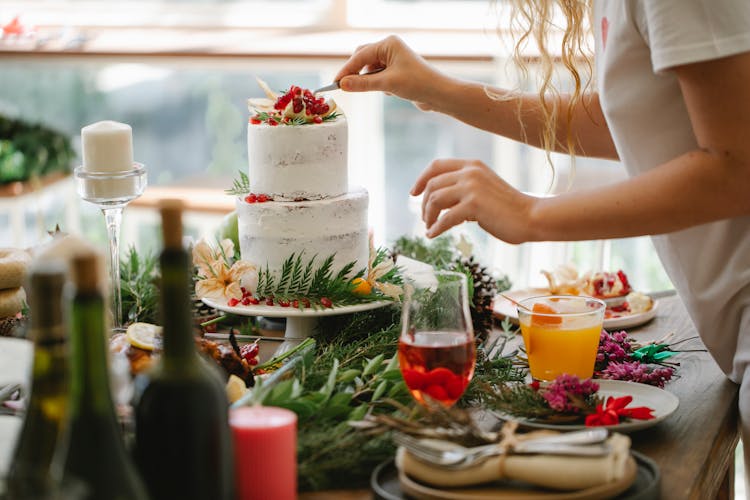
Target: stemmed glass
436 349
111 191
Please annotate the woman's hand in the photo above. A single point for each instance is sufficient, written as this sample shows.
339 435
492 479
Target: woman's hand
468 190
405 73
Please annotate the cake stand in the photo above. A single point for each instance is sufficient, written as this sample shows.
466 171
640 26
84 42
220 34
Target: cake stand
300 323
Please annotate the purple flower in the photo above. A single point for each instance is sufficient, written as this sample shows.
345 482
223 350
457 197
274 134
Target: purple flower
565 392
635 371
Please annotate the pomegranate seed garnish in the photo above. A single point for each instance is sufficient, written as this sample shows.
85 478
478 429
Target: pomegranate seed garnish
284 303
325 108
295 304
233 302
255 121
243 290
269 302
251 198
246 301
318 119
254 301
272 122
253 361
262 198
297 105
326 302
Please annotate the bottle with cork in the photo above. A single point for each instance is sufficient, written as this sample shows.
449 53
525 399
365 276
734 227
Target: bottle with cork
92 458
183 444
29 475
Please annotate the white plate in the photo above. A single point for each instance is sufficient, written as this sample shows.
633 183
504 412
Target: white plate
505 308
663 403
291 312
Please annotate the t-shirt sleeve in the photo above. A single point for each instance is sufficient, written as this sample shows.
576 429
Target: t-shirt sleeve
687 31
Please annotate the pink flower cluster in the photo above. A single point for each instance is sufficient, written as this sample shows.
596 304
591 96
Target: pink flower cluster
635 371
567 393
613 347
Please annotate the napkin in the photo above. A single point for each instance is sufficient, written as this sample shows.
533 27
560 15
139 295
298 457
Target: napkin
560 472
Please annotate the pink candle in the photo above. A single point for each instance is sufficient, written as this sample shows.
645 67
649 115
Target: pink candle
265 450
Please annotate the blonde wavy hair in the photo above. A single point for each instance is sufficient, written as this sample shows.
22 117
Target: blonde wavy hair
538 21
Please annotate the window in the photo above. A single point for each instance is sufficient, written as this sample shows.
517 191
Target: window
188 112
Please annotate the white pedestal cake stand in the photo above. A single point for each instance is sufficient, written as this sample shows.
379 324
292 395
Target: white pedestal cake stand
300 323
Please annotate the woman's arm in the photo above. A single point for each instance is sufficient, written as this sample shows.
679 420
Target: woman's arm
408 76
704 185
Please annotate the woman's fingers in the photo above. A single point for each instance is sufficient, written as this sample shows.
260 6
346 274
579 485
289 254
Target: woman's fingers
459 213
435 168
364 55
439 200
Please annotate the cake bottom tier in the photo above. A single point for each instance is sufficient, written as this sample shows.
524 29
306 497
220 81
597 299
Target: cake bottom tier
272 231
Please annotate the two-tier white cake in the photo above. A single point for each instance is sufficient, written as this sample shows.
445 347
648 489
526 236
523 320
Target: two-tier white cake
301 170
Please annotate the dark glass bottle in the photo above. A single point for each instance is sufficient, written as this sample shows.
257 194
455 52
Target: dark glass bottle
29 474
183 444
93 458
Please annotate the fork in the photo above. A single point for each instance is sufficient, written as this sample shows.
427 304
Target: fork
582 443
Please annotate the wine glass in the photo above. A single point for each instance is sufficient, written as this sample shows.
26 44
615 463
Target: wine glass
111 192
436 350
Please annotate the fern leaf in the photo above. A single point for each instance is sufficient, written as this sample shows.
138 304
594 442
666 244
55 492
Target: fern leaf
304 286
286 275
294 286
322 275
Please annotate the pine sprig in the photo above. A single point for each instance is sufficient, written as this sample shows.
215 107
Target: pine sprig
240 186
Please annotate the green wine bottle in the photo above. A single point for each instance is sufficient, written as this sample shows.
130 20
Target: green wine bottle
93 458
29 474
183 443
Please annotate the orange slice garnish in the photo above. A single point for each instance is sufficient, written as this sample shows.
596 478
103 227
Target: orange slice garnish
541 309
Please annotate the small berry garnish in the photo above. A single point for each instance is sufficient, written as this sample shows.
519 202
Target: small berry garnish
283 303
318 119
251 198
249 352
262 198
269 301
253 301
326 302
255 120
233 302
246 301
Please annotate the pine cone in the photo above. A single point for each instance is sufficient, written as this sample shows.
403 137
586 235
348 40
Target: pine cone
485 289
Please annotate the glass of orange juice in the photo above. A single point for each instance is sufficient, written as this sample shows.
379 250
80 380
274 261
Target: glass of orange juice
561 334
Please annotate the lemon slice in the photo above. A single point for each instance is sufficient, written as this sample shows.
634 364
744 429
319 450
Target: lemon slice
143 335
235 388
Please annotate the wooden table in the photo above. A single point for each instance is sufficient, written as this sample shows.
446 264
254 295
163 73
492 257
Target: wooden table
694 447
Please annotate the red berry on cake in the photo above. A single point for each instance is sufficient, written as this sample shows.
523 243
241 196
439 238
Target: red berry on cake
232 302
326 302
262 198
255 120
318 119
251 198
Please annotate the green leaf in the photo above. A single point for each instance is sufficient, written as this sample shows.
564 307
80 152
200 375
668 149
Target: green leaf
379 390
348 375
358 413
373 364
327 389
303 408
391 375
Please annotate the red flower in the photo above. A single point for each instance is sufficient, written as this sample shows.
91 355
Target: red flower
614 409
534 385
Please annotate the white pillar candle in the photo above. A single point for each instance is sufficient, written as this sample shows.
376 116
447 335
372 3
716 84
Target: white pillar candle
107 147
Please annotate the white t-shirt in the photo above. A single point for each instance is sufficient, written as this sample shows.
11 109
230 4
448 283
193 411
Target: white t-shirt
637 42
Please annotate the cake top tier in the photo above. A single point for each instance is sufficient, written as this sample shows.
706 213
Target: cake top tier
295 106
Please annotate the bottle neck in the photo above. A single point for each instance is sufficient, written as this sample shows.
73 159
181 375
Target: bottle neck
90 390
176 310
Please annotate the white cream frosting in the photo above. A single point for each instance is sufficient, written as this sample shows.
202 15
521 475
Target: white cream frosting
295 162
270 232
